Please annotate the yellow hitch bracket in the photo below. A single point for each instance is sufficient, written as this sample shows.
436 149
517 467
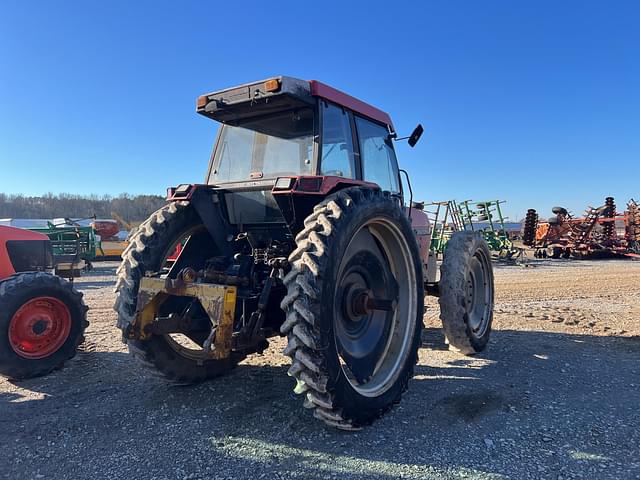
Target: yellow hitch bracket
219 301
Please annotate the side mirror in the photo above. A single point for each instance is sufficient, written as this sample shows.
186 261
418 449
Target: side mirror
415 135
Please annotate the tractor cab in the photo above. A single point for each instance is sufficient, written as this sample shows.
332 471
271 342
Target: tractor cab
285 127
284 144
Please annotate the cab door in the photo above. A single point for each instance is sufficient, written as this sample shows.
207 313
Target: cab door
377 156
337 152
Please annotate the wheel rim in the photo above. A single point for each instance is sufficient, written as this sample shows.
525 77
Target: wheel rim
39 327
181 343
373 344
479 294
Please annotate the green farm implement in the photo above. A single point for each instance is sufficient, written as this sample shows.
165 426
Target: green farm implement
485 217
74 246
446 220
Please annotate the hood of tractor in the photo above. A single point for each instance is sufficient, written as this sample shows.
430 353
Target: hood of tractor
23 251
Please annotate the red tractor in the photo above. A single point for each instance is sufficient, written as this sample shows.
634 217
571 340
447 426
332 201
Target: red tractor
42 317
300 229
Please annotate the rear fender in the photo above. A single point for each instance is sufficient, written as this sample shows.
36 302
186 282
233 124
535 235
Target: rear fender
297 195
207 204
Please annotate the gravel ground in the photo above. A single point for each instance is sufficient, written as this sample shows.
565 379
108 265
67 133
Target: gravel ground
555 396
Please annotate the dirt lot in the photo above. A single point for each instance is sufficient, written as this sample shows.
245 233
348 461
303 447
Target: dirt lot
555 396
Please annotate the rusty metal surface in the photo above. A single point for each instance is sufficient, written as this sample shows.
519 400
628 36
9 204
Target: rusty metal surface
218 301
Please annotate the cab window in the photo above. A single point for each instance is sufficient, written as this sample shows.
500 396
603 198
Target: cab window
337 142
379 164
271 146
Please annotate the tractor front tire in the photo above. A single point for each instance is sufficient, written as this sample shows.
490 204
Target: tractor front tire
466 292
42 322
353 364
147 251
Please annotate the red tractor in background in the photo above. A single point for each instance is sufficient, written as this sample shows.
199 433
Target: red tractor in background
302 229
42 317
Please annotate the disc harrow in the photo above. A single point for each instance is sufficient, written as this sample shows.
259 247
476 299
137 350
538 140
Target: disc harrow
609 228
595 234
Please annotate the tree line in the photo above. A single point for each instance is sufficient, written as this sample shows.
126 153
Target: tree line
131 208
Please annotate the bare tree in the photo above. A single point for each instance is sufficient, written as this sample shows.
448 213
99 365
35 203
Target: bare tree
132 208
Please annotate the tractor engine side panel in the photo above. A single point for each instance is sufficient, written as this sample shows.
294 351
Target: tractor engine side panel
6 267
30 255
16 243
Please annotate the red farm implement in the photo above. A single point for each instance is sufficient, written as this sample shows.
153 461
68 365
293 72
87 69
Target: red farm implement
601 232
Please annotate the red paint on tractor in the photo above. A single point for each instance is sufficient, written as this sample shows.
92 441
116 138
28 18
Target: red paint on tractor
184 192
39 327
327 185
421 226
323 90
13 234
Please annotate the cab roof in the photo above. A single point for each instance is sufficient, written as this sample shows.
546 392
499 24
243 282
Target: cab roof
319 89
280 92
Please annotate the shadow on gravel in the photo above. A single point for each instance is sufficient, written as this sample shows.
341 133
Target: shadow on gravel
563 263
433 339
536 404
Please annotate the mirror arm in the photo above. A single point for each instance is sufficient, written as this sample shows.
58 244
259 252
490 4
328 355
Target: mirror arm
413 138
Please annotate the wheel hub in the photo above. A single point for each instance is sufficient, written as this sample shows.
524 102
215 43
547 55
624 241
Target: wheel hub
39 327
362 301
362 331
352 302
365 307
477 296
374 306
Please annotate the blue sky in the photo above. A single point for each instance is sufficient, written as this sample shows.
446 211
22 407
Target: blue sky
537 103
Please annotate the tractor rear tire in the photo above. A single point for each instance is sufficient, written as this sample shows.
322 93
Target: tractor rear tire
147 251
42 322
466 292
353 365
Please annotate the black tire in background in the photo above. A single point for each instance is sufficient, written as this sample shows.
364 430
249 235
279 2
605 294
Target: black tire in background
16 291
332 246
466 292
147 251
530 226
